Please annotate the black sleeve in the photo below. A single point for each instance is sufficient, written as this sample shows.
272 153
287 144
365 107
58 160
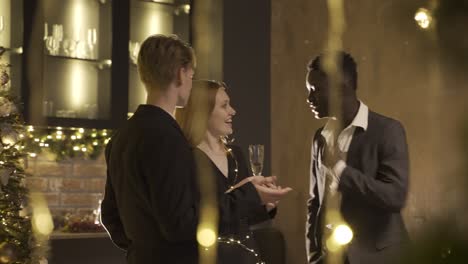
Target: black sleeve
110 213
313 238
387 189
167 166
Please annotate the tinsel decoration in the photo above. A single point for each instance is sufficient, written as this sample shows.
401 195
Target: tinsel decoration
18 241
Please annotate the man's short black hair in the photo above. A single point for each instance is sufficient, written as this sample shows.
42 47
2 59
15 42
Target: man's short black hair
348 67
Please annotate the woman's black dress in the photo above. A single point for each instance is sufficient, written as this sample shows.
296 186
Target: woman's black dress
235 219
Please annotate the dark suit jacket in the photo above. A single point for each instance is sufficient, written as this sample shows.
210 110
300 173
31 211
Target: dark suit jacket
374 187
151 204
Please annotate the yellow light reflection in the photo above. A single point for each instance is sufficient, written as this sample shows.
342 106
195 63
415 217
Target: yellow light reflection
423 18
154 24
77 18
76 86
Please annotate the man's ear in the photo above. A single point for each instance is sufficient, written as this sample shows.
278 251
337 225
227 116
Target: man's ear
180 74
348 85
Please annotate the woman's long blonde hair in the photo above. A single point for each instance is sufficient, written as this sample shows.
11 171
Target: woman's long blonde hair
193 118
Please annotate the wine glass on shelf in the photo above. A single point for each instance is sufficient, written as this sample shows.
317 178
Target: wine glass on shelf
57 38
46 31
92 40
134 49
256 152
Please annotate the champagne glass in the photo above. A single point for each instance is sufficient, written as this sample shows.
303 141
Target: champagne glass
256 159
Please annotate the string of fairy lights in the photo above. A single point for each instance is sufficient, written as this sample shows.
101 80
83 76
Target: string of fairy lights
64 142
235 242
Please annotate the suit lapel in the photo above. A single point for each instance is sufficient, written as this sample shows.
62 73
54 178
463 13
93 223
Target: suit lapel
355 148
321 143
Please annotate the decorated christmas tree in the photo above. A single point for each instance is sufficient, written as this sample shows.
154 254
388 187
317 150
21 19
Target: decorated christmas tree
20 223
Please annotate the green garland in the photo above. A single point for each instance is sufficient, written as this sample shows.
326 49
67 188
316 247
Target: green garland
18 241
65 143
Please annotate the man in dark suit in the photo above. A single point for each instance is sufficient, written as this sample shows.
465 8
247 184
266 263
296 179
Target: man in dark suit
366 163
151 205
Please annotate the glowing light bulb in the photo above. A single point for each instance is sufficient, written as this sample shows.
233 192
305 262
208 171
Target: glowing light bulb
342 234
423 18
206 237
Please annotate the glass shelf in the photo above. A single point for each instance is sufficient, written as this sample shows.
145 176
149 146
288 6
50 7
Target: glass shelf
100 64
76 82
178 9
17 51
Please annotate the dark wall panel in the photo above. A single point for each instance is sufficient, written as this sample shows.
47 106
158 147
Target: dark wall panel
246 63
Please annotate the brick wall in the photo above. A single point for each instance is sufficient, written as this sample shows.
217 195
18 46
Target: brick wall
71 186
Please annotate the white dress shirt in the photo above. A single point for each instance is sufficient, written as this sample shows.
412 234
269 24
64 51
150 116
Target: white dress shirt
344 141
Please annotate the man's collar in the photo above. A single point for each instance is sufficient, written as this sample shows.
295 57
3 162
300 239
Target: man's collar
360 120
362 116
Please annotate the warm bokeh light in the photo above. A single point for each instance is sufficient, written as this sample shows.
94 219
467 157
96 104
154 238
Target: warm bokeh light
8 140
342 234
76 84
206 237
77 18
43 223
41 219
423 18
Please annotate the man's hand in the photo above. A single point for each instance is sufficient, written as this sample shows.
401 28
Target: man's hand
331 156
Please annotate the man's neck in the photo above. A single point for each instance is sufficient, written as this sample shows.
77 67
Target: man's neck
165 100
350 110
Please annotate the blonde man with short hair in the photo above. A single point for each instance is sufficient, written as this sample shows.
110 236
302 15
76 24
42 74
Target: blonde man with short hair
150 207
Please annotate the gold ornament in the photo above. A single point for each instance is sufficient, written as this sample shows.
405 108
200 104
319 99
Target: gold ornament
4 78
9 135
7 252
7 107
